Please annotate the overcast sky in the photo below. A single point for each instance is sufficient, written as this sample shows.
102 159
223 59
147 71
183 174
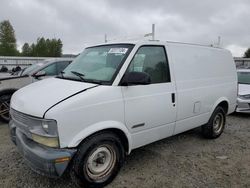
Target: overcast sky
80 22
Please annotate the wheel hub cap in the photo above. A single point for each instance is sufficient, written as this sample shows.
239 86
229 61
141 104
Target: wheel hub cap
101 162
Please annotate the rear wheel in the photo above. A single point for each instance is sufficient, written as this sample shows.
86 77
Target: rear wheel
216 124
5 106
98 160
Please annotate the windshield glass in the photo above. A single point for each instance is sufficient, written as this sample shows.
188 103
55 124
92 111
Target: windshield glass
29 70
244 77
98 64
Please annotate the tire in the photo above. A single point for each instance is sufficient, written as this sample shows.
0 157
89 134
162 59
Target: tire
5 106
216 124
98 160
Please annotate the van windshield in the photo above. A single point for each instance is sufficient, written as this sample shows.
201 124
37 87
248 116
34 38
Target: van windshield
244 77
98 64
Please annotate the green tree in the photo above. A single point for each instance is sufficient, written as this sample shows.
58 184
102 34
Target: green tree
54 47
41 47
247 53
33 50
45 48
26 50
7 39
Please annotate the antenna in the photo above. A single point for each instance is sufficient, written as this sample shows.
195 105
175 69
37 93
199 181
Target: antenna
152 33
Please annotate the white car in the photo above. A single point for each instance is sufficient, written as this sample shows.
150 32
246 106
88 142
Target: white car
116 97
38 71
243 100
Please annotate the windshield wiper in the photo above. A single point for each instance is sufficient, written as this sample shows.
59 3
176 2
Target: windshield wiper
80 75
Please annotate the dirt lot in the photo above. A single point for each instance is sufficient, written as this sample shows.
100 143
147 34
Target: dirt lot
185 160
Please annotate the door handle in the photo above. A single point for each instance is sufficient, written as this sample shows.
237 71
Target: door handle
173 98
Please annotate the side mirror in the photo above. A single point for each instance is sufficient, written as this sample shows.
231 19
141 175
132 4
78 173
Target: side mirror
40 74
136 78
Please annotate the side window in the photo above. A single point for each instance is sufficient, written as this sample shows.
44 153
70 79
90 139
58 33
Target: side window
153 61
61 65
51 70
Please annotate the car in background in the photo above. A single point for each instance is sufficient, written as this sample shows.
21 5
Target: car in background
33 73
243 100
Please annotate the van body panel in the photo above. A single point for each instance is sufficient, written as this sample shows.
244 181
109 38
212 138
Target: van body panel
36 98
203 75
201 78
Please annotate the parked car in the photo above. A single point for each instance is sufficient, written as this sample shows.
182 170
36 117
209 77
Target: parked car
116 97
33 73
243 100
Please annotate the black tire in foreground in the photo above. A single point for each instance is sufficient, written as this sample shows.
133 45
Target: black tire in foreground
98 160
216 124
5 106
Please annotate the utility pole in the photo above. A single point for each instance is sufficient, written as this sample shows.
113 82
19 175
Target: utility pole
105 38
153 31
219 41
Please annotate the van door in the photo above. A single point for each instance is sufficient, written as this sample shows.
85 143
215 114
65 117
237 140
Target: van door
150 110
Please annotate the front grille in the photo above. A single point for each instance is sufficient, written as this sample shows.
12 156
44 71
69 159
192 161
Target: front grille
21 118
23 121
243 105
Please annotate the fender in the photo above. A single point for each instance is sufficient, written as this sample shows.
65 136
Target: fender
218 102
99 127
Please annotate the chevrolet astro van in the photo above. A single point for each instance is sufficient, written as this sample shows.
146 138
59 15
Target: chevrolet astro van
116 97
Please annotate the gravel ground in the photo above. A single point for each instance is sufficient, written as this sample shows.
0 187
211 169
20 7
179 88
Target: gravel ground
185 160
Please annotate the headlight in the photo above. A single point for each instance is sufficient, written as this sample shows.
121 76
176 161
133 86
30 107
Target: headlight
47 141
244 96
45 132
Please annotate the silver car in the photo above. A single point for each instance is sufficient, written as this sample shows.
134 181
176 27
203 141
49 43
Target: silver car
244 91
33 73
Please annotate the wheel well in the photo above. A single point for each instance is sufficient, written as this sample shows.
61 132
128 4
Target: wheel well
224 105
117 132
7 91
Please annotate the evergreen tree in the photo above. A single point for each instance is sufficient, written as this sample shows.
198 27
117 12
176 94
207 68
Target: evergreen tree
45 48
26 50
247 53
7 39
41 47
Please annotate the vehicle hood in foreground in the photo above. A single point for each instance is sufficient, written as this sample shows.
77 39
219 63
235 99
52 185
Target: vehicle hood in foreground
35 99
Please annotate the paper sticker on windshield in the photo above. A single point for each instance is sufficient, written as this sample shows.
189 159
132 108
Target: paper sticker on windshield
118 50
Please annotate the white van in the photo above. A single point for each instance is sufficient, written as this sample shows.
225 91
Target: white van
116 97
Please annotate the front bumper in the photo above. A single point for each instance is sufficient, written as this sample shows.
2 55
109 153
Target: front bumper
243 106
39 158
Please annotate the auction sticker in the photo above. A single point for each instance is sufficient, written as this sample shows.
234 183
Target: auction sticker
118 50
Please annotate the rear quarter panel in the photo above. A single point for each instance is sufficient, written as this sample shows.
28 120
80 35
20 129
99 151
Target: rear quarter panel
204 76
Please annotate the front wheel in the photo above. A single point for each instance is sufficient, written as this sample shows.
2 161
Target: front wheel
98 160
216 124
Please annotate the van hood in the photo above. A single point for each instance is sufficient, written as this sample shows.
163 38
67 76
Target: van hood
35 99
244 89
